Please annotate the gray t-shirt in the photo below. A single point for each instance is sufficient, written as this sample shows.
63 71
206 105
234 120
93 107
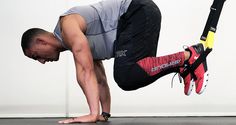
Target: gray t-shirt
102 20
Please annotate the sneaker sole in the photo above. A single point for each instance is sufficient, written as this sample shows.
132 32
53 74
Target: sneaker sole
191 86
205 82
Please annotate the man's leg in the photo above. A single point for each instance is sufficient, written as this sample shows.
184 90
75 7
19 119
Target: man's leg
148 70
136 64
137 38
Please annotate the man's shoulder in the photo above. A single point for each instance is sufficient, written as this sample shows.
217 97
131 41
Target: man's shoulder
67 19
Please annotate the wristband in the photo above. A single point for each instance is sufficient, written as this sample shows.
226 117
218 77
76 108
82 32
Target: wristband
106 115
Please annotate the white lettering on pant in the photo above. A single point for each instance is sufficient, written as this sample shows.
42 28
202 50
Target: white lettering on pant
166 65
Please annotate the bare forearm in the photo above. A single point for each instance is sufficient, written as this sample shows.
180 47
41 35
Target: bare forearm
90 88
104 92
105 97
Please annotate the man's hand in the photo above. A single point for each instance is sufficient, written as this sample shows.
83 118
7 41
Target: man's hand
101 118
82 119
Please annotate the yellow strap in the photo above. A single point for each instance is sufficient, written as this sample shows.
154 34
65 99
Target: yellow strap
209 41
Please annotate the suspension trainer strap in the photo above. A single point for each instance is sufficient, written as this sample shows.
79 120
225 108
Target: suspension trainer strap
209 20
213 18
217 14
207 38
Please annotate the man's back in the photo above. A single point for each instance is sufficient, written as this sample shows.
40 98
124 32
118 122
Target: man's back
101 25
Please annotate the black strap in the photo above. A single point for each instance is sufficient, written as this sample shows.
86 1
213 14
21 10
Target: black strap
201 58
211 25
106 115
213 18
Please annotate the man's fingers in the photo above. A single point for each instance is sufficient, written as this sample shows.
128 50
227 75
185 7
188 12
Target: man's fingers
81 119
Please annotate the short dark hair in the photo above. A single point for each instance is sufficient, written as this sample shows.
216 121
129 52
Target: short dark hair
28 36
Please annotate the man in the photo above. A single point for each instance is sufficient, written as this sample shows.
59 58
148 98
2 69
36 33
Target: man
127 30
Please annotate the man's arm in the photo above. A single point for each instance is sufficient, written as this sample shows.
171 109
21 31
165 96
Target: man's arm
104 92
78 43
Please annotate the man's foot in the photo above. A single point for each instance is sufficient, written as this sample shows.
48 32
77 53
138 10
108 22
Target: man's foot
188 82
200 74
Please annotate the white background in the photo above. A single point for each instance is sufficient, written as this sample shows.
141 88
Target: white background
30 89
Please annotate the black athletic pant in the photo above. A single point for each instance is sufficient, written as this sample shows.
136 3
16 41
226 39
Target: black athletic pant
137 38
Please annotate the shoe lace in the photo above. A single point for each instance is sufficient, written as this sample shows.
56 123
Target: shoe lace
172 81
185 47
180 79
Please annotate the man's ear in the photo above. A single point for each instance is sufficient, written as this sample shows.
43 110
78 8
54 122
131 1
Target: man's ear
40 41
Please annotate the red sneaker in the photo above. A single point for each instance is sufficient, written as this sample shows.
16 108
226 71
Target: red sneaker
188 82
200 74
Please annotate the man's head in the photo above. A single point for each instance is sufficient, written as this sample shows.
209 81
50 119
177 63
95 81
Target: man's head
40 45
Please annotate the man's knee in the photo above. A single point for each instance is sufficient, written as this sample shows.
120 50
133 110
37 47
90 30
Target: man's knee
127 88
124 83
130 78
